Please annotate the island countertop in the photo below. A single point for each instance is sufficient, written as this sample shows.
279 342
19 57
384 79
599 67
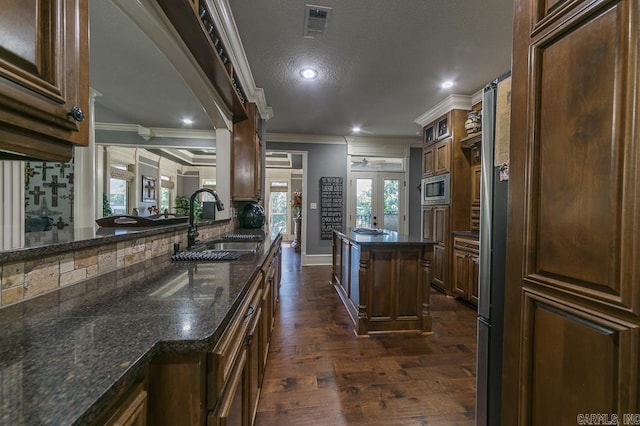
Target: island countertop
65 354
383 236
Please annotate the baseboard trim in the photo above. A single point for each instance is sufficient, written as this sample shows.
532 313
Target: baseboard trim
317 259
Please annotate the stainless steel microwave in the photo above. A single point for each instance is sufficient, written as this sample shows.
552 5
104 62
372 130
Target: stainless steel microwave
436 190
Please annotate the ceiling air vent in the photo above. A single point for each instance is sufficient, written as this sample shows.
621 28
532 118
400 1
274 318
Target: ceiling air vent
316 20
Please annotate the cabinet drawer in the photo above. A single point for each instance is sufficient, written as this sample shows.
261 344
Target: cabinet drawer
222 359
467 244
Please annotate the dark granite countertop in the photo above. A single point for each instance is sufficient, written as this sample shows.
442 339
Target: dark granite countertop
65 354
39 244
384 237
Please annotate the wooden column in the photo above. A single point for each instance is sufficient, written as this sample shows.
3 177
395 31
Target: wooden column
12 196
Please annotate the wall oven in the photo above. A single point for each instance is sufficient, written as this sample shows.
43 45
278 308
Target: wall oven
436 190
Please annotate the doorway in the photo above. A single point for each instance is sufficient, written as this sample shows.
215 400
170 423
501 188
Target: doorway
284 194
378 200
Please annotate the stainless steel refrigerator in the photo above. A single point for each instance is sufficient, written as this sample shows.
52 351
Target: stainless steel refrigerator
493 227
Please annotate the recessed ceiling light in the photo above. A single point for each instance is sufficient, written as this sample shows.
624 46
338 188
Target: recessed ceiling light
187 121
447 84
356 129
308 73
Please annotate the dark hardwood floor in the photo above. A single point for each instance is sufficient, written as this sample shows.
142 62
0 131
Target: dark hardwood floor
320 373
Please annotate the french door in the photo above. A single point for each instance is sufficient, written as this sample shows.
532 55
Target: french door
378 200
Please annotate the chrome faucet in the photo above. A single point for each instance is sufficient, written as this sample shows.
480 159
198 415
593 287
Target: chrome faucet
192 233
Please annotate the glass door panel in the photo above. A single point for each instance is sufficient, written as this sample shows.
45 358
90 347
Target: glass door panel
278 211
391 204
364 193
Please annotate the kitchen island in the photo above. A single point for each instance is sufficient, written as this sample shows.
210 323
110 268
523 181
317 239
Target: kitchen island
152 339
383 280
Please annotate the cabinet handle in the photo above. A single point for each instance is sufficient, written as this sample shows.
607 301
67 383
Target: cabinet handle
76 113
249 340
249 312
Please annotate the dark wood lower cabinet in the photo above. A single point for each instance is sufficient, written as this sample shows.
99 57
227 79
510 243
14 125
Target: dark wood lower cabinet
221 387
466 268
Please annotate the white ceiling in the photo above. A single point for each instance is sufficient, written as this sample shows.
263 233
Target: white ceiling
380 62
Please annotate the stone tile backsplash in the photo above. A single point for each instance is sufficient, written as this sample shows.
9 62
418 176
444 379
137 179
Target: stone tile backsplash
23 280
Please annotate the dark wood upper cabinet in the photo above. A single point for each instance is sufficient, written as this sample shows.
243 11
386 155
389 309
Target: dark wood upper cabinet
44 78
246 154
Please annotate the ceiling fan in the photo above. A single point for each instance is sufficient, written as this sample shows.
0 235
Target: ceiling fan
363 162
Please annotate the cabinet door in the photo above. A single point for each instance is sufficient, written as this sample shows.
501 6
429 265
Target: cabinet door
441 224
266 323
442 157
43 77
443 127
337 259
429 134
475 184
475 198
232 409
246 155
427 224
438 265
461 273
346 266
132 411
254 362
222 359
572 293
474 271
177 393
428 160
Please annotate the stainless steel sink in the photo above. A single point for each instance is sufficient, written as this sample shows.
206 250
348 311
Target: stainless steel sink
246 246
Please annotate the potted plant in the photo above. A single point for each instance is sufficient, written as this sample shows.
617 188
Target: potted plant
182 207
296 205
106 208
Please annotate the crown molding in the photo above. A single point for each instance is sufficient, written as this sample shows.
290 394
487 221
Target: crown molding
477 97
157 132
223 20
190 158
451 102
340 140
301 138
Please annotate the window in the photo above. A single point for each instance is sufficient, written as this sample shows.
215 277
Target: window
376 164
278 205
120 177
118 191
165 193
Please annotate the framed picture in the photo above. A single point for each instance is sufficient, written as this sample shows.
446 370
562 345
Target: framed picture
148 189
443 127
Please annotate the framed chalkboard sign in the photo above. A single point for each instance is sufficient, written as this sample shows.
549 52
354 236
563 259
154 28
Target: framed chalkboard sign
331 201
